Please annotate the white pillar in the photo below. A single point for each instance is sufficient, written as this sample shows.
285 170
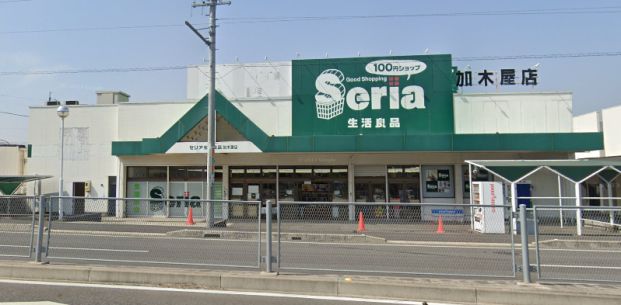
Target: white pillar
122 193
578 211
514 206
351 190
471 198
459 183
612 213
560 200
225 190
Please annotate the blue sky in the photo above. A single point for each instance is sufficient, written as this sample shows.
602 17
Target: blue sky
591 79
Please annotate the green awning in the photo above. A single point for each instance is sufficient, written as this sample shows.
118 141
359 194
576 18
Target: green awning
8 184
576 170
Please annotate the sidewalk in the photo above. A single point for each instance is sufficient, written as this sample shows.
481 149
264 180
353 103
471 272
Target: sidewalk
417 289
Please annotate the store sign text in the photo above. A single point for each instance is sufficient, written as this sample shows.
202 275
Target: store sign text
488 77
332 92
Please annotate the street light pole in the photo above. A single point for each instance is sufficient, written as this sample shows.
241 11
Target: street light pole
211 112
63 112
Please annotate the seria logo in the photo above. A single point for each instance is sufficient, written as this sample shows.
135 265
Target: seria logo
332 95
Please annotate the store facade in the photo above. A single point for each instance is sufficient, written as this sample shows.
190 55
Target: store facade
380 129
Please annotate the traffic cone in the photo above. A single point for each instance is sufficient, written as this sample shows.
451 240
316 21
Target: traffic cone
190 220
440 225
361 227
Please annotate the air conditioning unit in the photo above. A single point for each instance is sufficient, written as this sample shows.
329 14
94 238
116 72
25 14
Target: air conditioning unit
87 186
52 103
69 103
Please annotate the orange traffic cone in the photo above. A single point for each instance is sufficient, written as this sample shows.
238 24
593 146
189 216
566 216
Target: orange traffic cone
361 227
440 225
190 220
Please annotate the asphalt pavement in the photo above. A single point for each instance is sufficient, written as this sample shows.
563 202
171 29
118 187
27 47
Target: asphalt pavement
85 294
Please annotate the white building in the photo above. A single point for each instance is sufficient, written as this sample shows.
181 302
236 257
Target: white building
307 130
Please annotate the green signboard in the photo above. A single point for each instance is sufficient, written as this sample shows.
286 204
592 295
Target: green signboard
373 95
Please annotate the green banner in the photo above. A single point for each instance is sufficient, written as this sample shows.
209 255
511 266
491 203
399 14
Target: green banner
373 95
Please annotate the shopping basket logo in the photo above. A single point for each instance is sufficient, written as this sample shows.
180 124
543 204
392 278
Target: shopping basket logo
330 97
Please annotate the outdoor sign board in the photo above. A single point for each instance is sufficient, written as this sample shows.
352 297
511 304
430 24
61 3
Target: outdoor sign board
373 95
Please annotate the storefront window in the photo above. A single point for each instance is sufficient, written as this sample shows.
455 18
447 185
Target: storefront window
136 172
178 174
438 182
157 172
197 174
404 183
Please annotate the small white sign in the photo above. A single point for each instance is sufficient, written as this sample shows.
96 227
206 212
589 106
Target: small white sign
221 147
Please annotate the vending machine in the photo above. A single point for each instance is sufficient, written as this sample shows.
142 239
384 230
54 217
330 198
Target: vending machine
488 218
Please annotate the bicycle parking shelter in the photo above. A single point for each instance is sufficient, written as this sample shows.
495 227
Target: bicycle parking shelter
575 172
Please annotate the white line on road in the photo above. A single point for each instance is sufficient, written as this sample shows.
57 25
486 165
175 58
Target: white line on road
14 246
582 267
98 249
221 292
149 262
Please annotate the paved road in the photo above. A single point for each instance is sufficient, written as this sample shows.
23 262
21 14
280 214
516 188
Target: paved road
88 294
384 259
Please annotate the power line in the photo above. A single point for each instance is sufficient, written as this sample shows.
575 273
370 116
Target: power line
93 70
171 68
252 20
15 114
12 1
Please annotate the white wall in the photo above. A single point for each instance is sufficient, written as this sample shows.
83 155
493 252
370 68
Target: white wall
589 122
611 124
513 113
89 132
606 121
148 120
261 91
11 160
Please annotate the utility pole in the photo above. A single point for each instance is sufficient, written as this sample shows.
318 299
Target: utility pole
211 113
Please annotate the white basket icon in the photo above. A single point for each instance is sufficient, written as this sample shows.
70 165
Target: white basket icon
330 99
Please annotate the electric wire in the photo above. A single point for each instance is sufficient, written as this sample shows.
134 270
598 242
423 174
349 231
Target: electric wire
182 67
252 20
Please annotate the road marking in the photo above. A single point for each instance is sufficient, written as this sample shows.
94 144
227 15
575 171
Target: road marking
221 292
32 303
14 246
582 267
98 249
582 250
148 262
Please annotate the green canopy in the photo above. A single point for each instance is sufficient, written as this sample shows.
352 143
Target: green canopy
8 184
575 170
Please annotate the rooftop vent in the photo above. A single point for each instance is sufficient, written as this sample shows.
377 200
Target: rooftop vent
111 97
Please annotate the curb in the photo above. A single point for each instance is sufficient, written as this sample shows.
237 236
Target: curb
431 290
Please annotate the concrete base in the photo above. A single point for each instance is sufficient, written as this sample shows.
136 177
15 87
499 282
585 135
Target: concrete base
418 289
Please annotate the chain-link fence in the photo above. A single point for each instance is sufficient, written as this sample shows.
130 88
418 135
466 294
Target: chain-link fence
577 243
17 223
396 238
83 230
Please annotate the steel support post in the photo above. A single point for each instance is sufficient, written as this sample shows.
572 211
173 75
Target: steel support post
524 242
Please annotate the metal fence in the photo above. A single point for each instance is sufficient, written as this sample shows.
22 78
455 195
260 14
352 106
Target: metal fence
562 254
87 233
335 237
17 223
396 238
